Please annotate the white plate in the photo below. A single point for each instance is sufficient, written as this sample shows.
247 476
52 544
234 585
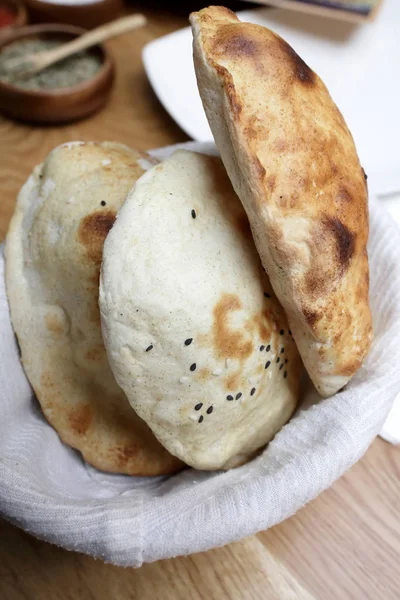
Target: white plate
359 64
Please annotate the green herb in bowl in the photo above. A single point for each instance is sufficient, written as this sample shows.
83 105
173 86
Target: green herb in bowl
67 73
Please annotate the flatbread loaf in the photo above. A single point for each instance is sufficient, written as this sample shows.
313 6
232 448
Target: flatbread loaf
293 163
53 255
193 331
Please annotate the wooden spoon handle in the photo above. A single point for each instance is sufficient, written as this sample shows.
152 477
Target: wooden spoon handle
91 38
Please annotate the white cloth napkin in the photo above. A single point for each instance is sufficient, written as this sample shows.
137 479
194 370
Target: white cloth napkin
391 427
48 490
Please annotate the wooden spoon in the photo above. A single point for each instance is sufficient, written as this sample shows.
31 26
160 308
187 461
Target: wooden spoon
26 66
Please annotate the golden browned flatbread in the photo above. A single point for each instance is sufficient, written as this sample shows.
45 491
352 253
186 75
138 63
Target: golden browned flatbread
53 255
293 163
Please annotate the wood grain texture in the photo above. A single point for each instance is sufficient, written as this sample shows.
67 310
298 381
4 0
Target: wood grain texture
344 545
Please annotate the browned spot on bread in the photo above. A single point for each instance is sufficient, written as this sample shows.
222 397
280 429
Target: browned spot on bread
54 324
80 419
263 323
366 273
250 132
301 70
203 374
95 279
310 316
334 168
271 183
230 90
352 365
95 354
46 379
137 168
232 382
344 194
304 183
337 337
237 45
233 100
253 127
47 384
92 232
260 171
362 290
124 453
344 240
316 282
228 342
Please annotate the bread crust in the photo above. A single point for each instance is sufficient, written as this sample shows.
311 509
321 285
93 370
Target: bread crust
294 165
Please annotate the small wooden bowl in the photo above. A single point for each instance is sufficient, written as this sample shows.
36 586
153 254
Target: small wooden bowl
59 105
21 16
88 15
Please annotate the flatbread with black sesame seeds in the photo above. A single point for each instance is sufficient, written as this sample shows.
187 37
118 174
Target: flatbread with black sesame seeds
53 253
193 331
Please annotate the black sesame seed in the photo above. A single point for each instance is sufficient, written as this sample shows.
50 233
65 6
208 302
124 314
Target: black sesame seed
282 350
268 348
198 406
282 331
193 213
267 295
103 203
262 348
229 397
193 367
285 374
201 419
278 360
281 367
286 361
267 364
149 348
290 333
209 410
188 341
253 391
239 395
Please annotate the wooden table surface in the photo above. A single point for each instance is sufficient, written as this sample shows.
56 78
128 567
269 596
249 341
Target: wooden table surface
345 544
